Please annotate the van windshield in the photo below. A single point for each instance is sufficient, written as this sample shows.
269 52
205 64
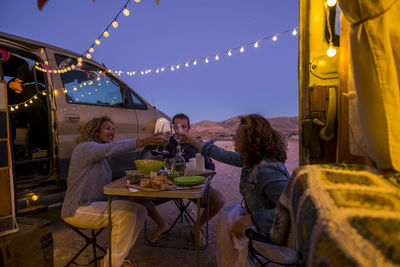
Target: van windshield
89 84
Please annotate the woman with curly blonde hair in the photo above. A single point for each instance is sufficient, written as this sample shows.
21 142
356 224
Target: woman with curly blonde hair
85 204
261 153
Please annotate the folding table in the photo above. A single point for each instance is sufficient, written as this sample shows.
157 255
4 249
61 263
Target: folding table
119 188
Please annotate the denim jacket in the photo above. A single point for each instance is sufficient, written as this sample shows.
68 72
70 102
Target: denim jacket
260 186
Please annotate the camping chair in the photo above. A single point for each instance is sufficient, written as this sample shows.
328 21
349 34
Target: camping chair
90 240
263 251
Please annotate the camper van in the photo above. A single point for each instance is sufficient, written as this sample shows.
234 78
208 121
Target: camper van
50 92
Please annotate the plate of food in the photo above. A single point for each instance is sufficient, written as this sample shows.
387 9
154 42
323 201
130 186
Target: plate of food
155 183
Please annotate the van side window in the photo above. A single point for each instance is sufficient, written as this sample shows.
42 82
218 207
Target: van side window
136 102
90 85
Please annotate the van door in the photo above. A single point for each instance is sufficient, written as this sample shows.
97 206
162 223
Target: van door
89 91
6 176
30 137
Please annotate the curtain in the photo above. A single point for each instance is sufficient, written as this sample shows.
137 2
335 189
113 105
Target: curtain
374 95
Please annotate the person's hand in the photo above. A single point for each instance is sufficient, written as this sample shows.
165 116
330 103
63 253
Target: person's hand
155 140
237 230
239 227
190 139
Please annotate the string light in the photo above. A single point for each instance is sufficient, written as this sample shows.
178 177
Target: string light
218 55
91 50
331 3
331 51
25 103
106 34
126 12
98 42
115 24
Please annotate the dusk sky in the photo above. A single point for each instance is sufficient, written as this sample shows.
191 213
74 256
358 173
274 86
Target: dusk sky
260 80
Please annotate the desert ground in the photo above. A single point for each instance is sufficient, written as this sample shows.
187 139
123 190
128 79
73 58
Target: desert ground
66 242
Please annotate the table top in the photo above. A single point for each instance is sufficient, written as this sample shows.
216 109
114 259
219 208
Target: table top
119 188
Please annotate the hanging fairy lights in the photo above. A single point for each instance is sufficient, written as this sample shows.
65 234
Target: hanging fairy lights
26 103
209 58
331 49
88 52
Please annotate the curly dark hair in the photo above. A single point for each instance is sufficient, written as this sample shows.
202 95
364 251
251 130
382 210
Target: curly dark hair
257 140
90 129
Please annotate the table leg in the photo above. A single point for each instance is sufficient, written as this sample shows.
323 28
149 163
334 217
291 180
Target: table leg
109 230
198 233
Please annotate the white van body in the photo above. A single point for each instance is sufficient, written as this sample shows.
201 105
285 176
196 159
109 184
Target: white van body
48 100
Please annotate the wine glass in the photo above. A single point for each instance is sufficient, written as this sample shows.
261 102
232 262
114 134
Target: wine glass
163 127
178 138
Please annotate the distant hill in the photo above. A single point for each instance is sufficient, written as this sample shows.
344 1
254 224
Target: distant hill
224 130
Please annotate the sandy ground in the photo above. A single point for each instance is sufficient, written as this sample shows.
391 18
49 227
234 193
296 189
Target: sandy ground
66 242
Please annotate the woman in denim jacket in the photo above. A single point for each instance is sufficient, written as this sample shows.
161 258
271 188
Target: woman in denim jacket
261 153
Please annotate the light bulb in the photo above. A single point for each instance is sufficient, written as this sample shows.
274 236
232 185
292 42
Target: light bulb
97 42
331 2
229 53
88 55
137 1
294 32
157 71
55 92
172 68
331 51
216 57
242 49
69 68
79 59
72 67
274 38
206 60
80 64
195 62
162 69
256 44
115 24
35 197
91 50
126 12
12 109
35 97
26 105
106 33
30 101
16 107
187 64
46 62
177 66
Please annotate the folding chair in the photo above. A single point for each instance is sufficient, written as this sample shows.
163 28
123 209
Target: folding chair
263 251
90 240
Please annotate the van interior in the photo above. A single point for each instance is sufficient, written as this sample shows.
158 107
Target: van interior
29 114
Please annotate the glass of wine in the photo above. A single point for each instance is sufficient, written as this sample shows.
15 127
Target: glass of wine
164 128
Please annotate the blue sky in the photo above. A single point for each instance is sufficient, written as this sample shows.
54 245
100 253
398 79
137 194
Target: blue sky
260 80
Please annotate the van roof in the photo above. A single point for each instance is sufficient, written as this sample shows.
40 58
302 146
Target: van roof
33 44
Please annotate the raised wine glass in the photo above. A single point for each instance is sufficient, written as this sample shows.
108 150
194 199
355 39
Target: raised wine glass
164 128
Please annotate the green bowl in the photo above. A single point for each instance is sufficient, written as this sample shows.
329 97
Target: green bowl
148 165
189 180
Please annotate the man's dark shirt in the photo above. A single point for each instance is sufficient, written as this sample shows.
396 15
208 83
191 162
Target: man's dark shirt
189 151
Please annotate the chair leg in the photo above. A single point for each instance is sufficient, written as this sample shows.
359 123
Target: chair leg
90 240
93 241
